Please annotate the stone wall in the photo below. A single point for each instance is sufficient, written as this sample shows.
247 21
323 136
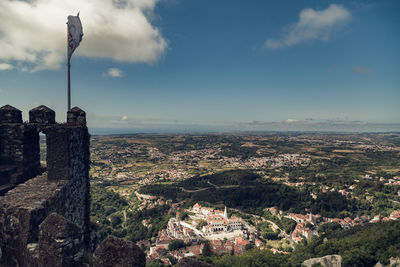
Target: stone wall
118 252
63 189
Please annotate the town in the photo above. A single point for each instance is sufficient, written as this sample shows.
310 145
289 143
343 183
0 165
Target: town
310 164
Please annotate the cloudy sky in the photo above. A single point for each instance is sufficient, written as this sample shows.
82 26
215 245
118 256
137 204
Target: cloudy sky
180 65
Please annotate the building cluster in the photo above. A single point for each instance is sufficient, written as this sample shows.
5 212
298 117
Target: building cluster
304 222
224 234
196 155
391 181
205 223
377 147
217 221
307 224
149 202
395 180
179 230
395 215
262 162
154 153
160 250
194 248
236 246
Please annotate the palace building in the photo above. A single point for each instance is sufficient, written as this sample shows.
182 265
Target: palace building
217 221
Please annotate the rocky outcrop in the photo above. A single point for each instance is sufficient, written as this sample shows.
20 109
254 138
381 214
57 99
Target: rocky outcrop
393 262
117 252
326 261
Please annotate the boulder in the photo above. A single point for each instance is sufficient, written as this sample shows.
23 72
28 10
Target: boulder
118 252
60 242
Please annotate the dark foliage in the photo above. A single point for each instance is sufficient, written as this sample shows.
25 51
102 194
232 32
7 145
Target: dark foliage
243 190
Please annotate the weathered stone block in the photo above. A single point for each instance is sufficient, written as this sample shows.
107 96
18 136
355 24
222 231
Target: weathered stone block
117 252
76 116
9 114
42 114
60 242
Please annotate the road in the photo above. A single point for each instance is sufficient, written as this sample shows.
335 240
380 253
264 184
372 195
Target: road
202 189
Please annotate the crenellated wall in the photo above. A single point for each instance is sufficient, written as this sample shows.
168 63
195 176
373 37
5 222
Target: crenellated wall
19 149
29 193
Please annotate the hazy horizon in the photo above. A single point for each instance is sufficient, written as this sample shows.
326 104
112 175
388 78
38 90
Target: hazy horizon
205 130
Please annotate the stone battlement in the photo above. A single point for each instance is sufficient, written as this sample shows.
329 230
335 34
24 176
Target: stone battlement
29 192
19 145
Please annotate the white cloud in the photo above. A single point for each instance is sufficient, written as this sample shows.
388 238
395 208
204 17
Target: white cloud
113 72
6 66
124 118
290 120
312 25
33 33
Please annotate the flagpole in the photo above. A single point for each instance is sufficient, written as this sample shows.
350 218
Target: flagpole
69 74
69 86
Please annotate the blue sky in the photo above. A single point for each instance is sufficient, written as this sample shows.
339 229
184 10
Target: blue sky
208 65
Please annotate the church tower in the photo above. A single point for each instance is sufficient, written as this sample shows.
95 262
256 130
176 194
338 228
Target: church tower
225 214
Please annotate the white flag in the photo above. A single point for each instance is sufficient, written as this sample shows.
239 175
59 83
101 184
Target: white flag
75 33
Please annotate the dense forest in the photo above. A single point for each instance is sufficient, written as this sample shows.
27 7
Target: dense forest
112 215
245 190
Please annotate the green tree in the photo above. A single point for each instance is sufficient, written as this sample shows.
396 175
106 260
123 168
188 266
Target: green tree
249 246
115 220
155 263
201 223
183 215
176 244
207 249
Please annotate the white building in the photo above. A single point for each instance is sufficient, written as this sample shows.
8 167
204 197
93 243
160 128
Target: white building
217 221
